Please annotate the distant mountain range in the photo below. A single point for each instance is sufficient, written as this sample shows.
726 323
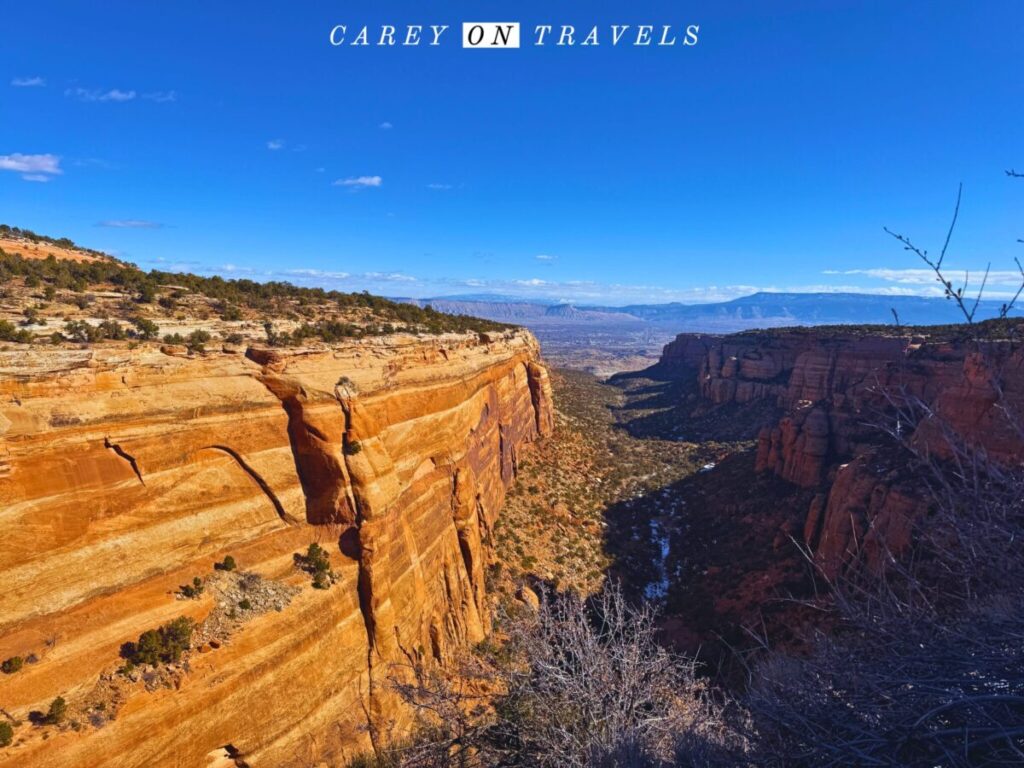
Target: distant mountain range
759 310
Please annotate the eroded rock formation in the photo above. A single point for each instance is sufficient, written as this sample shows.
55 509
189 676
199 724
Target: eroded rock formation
836 388
124 473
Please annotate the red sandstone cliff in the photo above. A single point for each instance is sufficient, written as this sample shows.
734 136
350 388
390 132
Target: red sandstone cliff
124 473
833 387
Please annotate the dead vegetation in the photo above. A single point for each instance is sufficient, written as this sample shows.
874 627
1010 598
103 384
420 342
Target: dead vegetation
576 684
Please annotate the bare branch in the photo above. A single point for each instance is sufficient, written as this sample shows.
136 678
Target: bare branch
952 225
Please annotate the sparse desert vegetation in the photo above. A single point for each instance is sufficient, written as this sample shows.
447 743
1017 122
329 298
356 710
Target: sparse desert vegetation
70 295
590 498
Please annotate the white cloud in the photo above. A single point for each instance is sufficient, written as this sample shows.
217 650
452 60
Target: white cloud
32 167
359 182
28 82
926 277
532 282
275 144
316 273
114 94
130 224
544 257
439 186
389 277
386 126
161 97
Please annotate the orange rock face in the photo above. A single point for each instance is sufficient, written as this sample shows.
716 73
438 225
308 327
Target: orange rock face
125 473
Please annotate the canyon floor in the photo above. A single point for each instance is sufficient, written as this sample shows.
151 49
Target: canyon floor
606 494
646 484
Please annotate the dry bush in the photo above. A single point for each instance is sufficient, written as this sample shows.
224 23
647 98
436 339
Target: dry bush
576 685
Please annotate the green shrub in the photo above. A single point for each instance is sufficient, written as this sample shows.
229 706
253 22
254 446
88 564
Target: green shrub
317 558
147 293
161 646
352 447
197 340
193 590
230 313
57 712
244 604
316 562
8 332
6 734
145 329
227 564
111 329
12 665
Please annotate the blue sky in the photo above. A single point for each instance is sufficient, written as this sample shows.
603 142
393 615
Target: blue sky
768 156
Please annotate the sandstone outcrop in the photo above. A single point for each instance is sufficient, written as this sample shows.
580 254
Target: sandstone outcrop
836 388
126 472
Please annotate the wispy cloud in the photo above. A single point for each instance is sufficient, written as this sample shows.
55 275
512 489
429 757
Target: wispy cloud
544 257
439 187
98 94
28 82
32 167
275 144
130 224
927 276
316 273
389 277
359 182
161 97
385 126
324 277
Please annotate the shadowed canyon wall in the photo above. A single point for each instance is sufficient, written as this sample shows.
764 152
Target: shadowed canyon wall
835 389
124 473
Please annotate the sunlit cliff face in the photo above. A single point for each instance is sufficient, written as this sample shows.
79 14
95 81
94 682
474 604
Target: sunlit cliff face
126 473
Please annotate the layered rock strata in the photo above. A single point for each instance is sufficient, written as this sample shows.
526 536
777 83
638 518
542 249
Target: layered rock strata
838 389
124 473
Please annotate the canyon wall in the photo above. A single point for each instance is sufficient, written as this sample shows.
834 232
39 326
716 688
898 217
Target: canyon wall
836 389
126 472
